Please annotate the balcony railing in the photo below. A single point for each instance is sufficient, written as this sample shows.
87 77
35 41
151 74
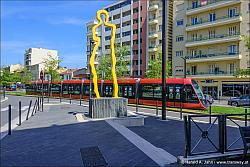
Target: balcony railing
219 73
206 20
209 2
219 36
211 55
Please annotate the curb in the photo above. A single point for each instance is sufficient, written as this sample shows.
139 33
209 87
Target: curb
6 98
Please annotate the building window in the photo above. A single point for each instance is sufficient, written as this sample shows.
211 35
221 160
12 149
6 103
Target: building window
107 28
179 38
135 10
211 33
107 47
135 42
127 23
115 17
179 22
127 33
194 20
231 68
212 17
232 30
127 13
232 49
135 31
179 53
107 38
195 4
232 12
135 21
118 25
160 28
118 35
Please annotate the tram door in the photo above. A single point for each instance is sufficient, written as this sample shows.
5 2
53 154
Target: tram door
211 90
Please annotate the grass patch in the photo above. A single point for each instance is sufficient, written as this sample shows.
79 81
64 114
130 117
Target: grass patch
16 93
227 110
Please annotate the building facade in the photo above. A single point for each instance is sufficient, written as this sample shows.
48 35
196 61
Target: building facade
139 26
34 58
14 68
208 40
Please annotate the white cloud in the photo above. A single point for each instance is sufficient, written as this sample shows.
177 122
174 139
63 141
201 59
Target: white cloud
68 20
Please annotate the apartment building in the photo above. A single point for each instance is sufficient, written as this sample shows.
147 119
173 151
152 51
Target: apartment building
139 26
208 38
155 29
34 58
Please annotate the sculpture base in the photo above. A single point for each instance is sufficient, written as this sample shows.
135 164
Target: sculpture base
107 107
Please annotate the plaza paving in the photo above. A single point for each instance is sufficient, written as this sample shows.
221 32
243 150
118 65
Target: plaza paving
54 138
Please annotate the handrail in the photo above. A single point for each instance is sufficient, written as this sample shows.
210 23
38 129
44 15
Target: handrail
206 20
208 3
210 55
218 36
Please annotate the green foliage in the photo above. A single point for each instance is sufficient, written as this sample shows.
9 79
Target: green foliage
155 67
243 73
51 68
8 78
247 41
105 64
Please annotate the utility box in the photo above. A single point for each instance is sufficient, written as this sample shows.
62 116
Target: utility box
107 107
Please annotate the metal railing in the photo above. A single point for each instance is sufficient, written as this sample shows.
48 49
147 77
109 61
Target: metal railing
209 2
206 20
218 36
211 55
215 133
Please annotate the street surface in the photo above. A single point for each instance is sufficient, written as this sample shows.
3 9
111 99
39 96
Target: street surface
54 137
14 102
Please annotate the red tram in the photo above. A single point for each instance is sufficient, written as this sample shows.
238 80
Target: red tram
181 92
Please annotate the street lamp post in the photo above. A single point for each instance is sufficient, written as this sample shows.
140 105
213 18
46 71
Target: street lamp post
185 66
164 20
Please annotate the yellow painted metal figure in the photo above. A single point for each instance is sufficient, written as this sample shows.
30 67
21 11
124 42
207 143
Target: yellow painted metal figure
97 40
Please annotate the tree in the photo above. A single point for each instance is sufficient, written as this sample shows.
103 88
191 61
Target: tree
244 72
247 41
105 64
155 67
51 65
8 78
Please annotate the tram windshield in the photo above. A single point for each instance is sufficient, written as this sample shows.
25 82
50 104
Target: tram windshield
199 92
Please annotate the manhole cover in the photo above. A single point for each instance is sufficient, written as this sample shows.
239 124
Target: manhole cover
92 157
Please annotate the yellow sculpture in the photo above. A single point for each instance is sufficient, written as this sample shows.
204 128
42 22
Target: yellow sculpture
112 47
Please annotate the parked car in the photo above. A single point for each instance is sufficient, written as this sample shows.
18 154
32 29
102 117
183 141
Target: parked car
209 98
232 93
240 101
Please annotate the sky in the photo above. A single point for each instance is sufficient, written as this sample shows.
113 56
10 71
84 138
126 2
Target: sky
59 25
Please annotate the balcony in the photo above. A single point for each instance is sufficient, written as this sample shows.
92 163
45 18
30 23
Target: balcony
213 57
219 74
221 38
153 48
153 21
210 5
153 35
205 23
153 7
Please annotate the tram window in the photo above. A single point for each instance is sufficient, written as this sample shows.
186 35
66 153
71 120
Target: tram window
157 91
86 90
147 91
130 91
125 91
77 90
71 89
55 88
171 92
120 91
190 95
108 90
45 87
65 89
178 92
